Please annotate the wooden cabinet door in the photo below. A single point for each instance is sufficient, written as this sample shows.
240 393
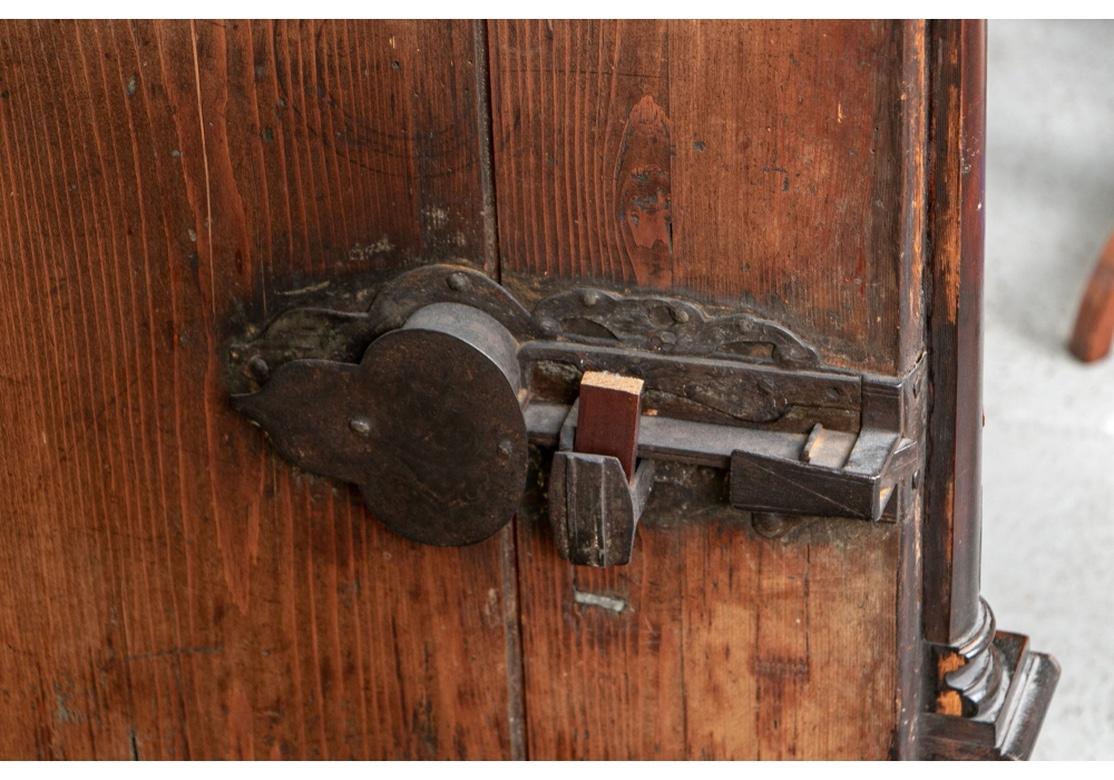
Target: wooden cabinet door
174 589
756 164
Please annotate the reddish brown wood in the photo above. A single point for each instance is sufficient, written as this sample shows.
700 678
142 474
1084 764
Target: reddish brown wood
788 199
604 651
1094 324
171 588
714 642
642 176
794 185
607 417
956 224
911 675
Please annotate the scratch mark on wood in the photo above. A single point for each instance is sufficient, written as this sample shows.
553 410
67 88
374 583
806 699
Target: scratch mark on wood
611 603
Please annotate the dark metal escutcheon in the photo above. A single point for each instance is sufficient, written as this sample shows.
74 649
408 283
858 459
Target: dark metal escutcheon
429 424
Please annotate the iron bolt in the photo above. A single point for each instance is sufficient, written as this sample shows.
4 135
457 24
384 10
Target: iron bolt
360 426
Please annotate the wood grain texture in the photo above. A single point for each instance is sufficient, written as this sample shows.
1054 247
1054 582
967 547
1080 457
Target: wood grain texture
602 648
956 222
757 163
794 186
171 589
714 642
913 691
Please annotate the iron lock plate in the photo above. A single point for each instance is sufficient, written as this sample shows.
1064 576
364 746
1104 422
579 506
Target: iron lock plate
428 398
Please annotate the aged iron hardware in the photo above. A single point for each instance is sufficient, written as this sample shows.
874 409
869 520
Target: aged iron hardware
428 401
428 424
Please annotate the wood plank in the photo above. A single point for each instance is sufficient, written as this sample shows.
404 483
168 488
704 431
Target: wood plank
715 642
171 588
791 184
753 163
609 410
602 648
774 641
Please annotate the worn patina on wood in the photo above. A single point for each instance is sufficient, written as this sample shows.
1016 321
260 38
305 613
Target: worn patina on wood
171 588
174 590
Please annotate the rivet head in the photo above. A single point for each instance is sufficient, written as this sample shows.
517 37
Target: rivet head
361 426
549 326
259 369
772 526
505 449
457 281
680 315
590 297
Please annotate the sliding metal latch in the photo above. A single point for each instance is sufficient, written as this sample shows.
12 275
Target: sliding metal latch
429 400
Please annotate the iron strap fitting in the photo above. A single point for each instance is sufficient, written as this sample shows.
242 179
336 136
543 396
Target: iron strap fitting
429 400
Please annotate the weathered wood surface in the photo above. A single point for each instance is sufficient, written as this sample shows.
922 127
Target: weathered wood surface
714 642
171 588
759 163
779 165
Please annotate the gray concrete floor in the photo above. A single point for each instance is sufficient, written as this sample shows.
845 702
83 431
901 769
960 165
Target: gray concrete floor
1048 482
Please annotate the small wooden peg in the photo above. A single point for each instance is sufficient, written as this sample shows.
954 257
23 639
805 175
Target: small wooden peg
607 421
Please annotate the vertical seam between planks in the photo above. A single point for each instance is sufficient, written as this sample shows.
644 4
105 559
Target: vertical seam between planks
509 563
486 151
